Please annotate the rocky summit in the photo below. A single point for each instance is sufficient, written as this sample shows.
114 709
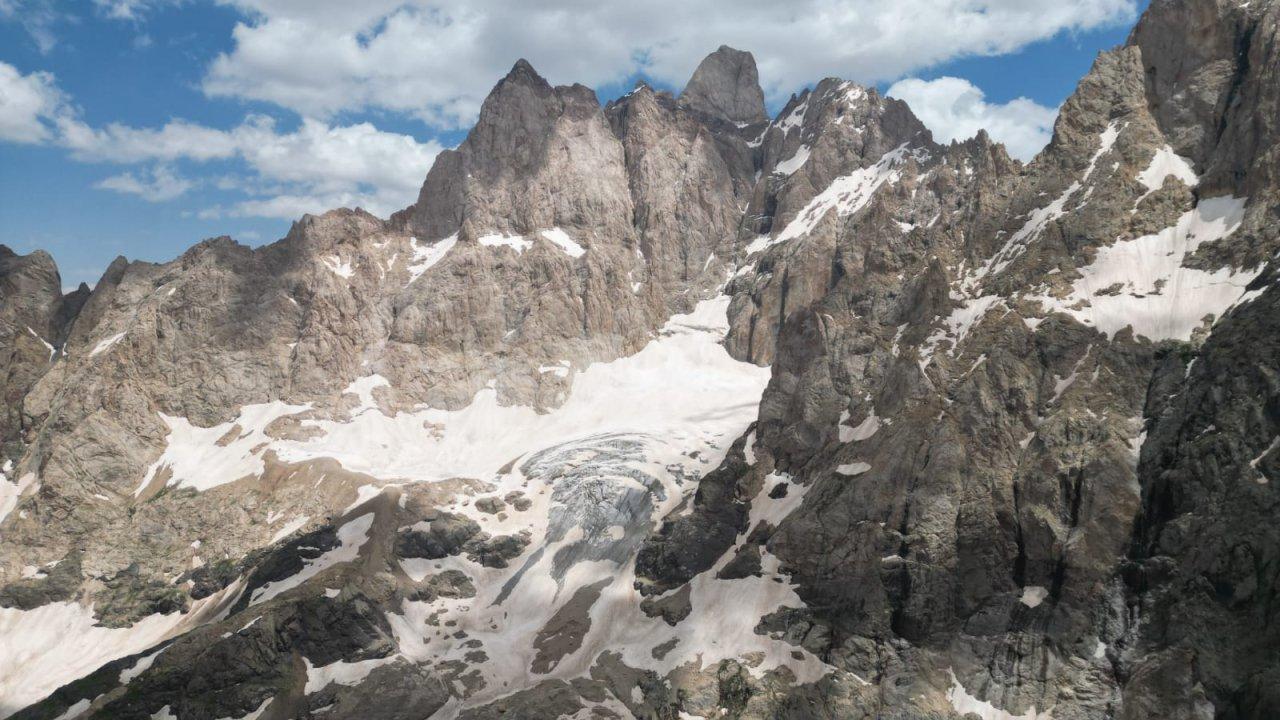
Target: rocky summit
666 409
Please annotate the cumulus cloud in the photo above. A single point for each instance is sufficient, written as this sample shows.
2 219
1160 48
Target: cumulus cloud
955 109
312 168
175 140
436 59
29 105
318 167
155 185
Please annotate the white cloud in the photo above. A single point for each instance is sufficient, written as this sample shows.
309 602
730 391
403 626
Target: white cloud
437 59
337 157
156 185
129 9
313 168
288 206
37 18
28 104
44 20
318 167
955 109
177 139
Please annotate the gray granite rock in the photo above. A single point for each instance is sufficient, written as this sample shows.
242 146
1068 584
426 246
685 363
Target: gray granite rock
726 85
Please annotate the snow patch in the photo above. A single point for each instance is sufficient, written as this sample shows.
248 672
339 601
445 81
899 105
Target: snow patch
11 492
426 256
761 242
106 344
515 242
338 267
364 494
290 528
845 195
75 710
47 647
1041 217
139 667
793 163
853 468
794 119
956 325
204 458
963 702
363 389
1144 285
560 370
253 714
341 673
1163 164
774 510
1033 595
1262 479
52 352
1061 385
352 537
865 429
564 242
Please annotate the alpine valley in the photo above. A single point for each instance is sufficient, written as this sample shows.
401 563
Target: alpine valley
666 409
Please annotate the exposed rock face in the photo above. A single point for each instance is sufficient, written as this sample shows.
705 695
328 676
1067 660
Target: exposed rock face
1206 540
666 409
726 85
842 140
689 179
539 157
34 320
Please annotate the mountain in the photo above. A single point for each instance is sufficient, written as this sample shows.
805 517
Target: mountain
666 409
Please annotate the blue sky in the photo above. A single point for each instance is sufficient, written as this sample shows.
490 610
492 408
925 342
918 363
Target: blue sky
139 127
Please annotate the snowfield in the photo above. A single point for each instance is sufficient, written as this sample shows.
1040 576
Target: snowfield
602 470
1144 284
48 647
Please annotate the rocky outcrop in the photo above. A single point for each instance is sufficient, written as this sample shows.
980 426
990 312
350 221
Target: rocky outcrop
726 86
962 398
35 317
688 180
1202 572
837 148
539 157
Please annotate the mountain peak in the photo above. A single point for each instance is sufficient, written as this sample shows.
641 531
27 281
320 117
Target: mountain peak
726 85
522 72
